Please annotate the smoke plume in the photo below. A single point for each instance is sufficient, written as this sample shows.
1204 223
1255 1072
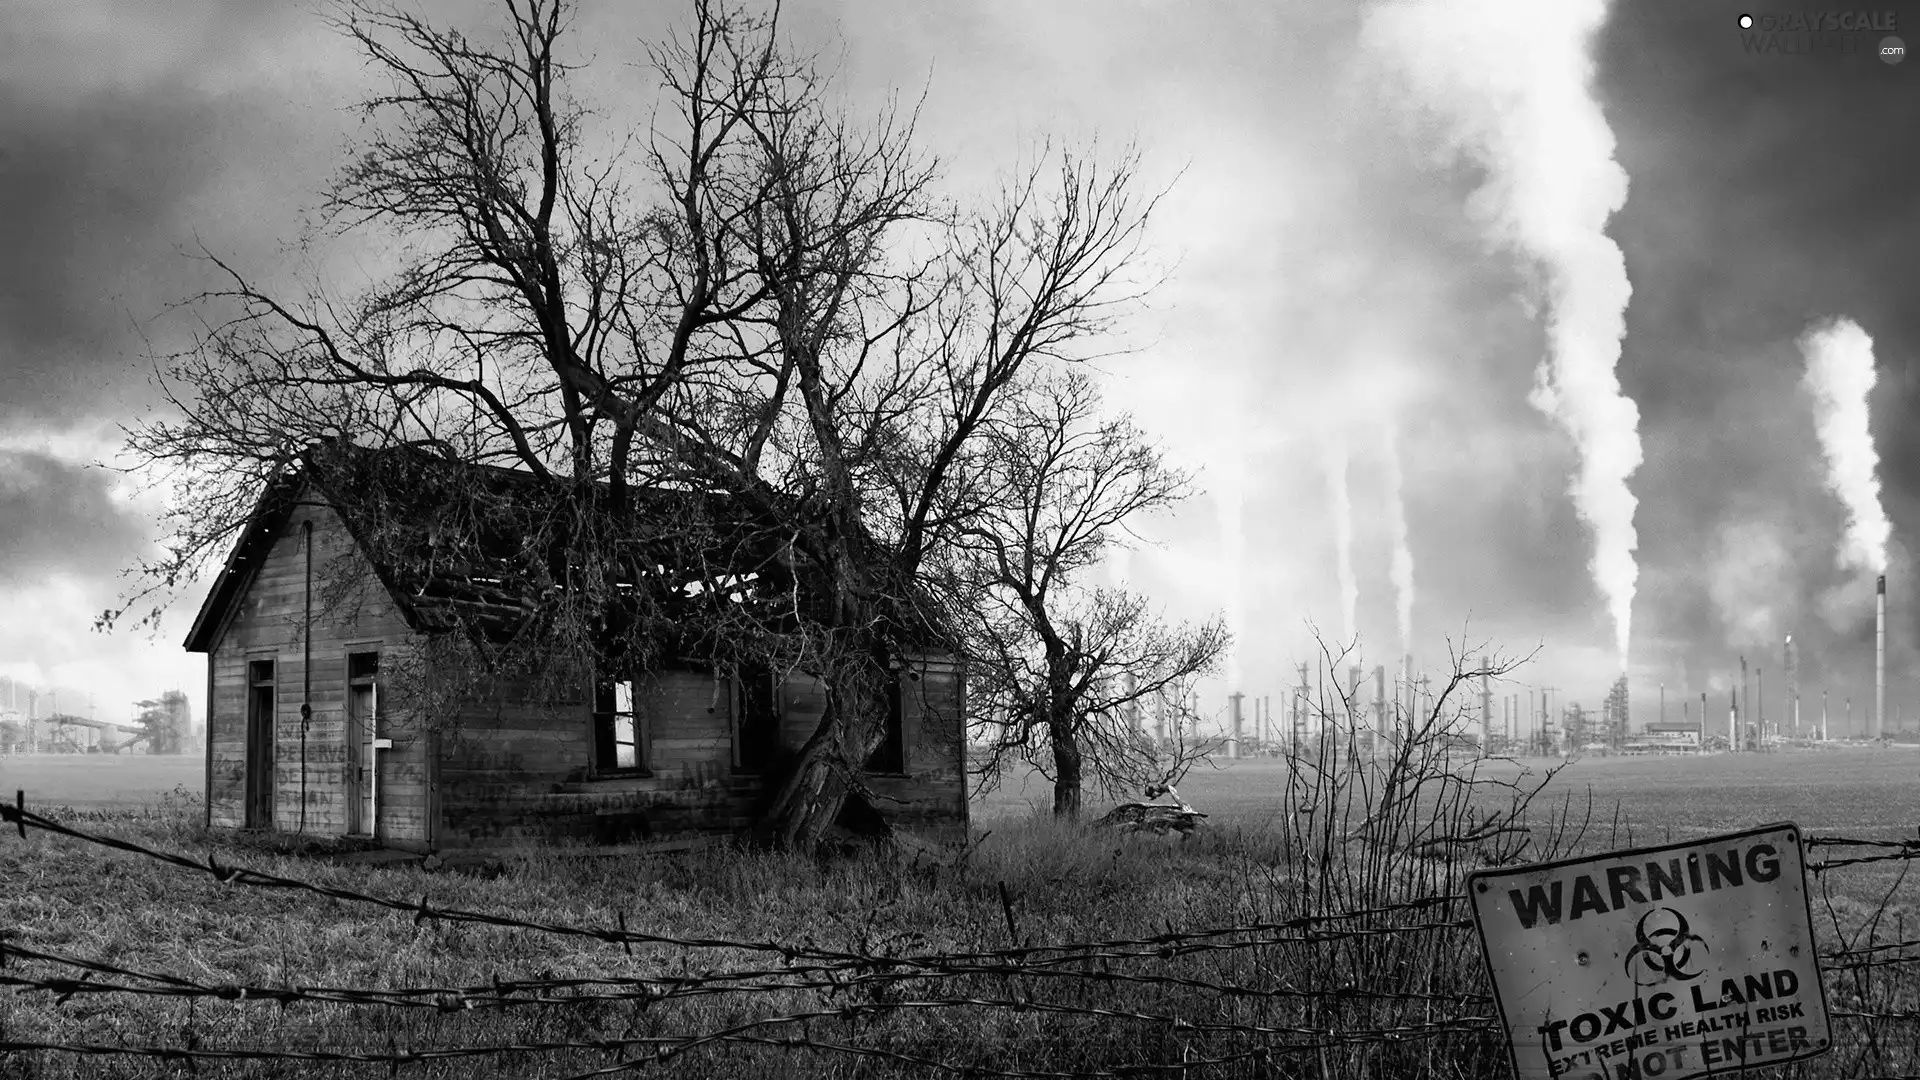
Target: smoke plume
1510 83
1342 498
1402 566
1751 580
1228 484
1839 377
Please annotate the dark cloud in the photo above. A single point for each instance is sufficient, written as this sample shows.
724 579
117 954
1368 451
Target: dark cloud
1768 191
91 191
57 517
124 141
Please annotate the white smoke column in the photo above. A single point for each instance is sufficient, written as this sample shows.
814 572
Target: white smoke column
1510 80
1401 569
1839 377
1342 497
1228 482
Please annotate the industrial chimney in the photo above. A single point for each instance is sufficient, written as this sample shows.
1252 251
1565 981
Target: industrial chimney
1379 708
1486 715
1413 702
1233 738
1879 655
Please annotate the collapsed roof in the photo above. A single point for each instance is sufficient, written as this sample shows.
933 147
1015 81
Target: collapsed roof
490 550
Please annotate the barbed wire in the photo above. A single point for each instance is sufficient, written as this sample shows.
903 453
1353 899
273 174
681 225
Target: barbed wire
899 983
532 992
1295 930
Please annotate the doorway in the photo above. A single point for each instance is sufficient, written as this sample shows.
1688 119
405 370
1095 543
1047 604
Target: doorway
366 737
259 783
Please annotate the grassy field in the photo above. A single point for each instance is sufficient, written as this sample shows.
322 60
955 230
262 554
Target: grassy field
1857 792
99 780
1864 793
1024 881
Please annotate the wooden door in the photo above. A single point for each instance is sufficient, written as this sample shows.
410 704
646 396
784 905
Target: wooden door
369 769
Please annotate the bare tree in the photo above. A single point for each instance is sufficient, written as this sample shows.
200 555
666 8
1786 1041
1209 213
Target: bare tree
766 303
1066 665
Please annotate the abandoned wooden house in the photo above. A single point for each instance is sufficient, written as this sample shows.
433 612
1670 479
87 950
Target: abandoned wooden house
309 732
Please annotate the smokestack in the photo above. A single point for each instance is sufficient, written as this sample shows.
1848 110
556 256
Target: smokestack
1879 655
1413 701
1379 707
1233 738
1742 704
1793 687
1486 714
1733 715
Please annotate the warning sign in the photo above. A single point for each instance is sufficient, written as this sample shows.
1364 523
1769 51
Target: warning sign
1677 961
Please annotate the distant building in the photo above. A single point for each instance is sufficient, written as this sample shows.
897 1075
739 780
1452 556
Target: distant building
1666 736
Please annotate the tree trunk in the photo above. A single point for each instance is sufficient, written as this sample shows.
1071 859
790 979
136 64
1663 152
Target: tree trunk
820 779
809 798
1066 772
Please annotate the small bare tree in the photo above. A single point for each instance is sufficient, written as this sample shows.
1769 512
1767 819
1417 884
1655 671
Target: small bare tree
1067 666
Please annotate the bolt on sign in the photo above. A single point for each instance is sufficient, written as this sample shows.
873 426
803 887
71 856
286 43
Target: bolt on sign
1684 960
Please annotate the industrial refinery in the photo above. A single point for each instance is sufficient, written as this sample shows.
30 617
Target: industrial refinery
1376 711
32 721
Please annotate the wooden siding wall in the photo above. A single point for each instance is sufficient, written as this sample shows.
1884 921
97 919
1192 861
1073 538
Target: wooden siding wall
513 773
509 772
267 625
932 793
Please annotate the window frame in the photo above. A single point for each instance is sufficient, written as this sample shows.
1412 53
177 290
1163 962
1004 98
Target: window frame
738 699
890 757
603 750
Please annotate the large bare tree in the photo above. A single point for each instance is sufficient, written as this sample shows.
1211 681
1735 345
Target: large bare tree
759 297
1063 668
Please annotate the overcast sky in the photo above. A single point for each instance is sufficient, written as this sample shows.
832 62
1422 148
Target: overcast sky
1333 273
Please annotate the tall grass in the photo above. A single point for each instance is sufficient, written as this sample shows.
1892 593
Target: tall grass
1351 831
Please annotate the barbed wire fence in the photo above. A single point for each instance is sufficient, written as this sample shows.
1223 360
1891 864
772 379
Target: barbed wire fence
801 997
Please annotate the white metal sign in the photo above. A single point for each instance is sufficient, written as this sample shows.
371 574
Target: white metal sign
1684 960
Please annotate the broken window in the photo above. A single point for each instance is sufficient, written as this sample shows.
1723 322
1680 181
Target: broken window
619 728
756 720
891 756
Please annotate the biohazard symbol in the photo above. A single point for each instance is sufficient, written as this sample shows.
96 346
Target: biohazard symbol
1664 949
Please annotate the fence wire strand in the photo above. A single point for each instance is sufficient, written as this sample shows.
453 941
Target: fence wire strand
926 984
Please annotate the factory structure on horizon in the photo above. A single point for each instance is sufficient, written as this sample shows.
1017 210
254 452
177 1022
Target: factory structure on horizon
32 722
1372 711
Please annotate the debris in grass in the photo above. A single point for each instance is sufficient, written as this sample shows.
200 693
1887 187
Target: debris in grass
1157 818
